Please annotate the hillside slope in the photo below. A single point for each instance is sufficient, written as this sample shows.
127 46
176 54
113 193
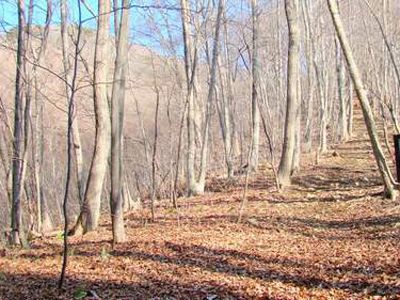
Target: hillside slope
331 236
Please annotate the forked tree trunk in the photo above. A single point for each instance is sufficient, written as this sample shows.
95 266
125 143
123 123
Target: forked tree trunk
292 108
117 121
90 214
201 180
196 184
389 183
190 81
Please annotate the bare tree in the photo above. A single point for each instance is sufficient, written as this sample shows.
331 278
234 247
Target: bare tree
117 119
255 113
200 182
190 72
17 234
70 121
305 7
67 77
292 108
90 214
44 222
196 181
224 104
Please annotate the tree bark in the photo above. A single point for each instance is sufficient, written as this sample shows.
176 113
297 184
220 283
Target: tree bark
190 81
17 234
292 108
340 70
98 167
226 103
255 69
117 120
308 137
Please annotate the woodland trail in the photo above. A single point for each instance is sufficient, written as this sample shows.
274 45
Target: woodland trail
330 236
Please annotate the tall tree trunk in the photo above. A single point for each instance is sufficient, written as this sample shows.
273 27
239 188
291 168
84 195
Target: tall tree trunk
94 187
255 69
350 103
384 170
190 68
323 107
71 108
292 108
17 234
154 155
227 99
44 222
310 76
200 183
223 105
117 119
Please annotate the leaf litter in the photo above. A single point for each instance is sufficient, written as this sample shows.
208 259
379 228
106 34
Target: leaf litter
330 236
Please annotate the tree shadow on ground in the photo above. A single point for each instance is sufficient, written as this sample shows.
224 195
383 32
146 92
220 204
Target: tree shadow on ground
220 261
334 181
354 223
319 198
299 272
37 287
317 178
376 228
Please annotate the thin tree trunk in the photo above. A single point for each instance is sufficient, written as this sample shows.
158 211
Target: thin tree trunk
75 125
351 109
71 108
154 156
308 138
255 113
200 184
44 223
343 126
227 99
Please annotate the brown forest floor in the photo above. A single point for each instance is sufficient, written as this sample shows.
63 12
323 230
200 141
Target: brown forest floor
331 236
